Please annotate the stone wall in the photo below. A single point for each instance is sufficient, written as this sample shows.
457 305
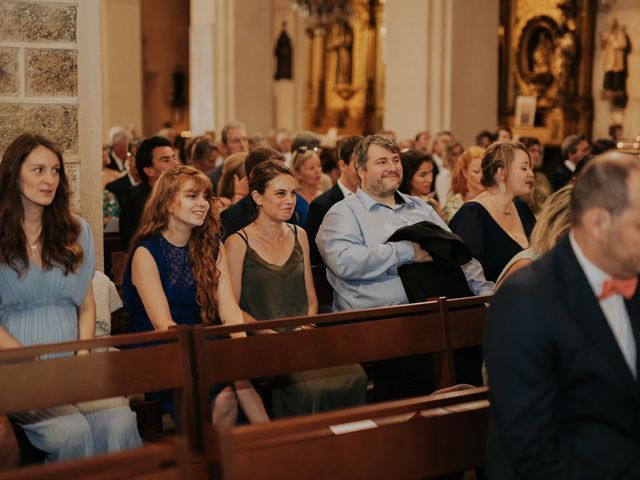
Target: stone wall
50 84
39 75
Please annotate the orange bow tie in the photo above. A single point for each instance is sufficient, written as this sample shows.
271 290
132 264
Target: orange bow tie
625 287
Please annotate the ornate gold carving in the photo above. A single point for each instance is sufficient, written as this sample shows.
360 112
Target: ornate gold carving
546 53
345 72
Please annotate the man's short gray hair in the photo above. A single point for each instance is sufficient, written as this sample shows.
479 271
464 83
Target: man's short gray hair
361 150
117 134
224 135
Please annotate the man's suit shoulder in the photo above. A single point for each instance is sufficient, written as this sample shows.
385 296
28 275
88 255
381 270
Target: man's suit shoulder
328 198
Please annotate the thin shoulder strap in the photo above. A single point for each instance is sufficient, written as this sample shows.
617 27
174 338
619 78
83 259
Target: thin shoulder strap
243 236
295 229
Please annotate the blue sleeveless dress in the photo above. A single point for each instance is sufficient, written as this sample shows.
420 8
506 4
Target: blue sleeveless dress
178 284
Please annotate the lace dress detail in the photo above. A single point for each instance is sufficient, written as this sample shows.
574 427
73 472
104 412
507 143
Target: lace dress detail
178 284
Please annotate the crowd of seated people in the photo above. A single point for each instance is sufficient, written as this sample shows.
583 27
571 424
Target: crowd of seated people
218 232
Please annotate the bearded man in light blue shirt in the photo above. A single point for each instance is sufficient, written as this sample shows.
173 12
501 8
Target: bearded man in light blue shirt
362 267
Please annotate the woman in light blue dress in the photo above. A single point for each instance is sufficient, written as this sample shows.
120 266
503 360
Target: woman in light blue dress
47 261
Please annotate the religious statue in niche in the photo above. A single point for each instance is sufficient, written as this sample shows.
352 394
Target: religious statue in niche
537 54
567 47
284 55
542 54
616 46
343 46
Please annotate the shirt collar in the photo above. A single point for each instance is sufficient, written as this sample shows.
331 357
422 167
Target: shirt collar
369 202
570 165
345 191
595 276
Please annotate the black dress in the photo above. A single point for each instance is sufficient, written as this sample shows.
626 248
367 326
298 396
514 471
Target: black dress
489 243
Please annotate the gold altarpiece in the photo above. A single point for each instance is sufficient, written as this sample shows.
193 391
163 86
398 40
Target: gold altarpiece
546 51
345 77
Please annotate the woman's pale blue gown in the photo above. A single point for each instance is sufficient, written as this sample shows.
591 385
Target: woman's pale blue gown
42 307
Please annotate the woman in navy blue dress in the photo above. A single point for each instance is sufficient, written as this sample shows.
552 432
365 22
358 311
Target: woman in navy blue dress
178 274
496 225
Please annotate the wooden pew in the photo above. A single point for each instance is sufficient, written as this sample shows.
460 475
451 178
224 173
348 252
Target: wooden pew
464 322
27 381
166 461
417 438
360 336
464 318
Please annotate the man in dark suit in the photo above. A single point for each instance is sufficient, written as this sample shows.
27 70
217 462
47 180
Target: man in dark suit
153 157
346 185
575 148
122 186
561 343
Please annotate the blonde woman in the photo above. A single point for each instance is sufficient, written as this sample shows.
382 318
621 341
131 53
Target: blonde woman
496 224
307 169
233 184
553 223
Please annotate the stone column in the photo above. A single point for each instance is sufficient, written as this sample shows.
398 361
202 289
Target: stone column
43 48
444 74
211 64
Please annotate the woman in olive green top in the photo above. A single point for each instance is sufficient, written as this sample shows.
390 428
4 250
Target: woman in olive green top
271 277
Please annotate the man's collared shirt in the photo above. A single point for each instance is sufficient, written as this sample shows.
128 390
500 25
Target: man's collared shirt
116 159
570 166
345 191
613 307
361 267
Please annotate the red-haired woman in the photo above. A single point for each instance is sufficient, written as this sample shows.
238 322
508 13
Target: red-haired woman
178 274
466 183
47 260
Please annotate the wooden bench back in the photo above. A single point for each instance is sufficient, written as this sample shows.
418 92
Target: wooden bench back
416 438
163 363
464 318
351 337
166 461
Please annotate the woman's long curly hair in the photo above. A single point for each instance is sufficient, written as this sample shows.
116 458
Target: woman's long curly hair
60 228
204 240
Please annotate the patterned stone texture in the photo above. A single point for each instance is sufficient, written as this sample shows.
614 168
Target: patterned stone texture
51 72
9 71
37 22
73 175
57 122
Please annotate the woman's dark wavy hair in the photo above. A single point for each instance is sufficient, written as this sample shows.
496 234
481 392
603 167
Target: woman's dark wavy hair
60 228
412 160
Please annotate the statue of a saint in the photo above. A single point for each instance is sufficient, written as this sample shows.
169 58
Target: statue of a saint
343 45
284 54
542 54
615 45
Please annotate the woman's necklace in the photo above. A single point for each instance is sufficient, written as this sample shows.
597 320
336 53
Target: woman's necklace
506 210
35 232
